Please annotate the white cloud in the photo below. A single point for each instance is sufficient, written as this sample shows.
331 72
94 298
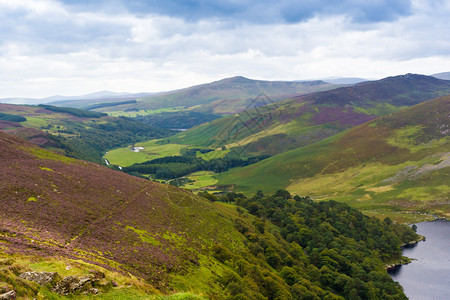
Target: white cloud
53 49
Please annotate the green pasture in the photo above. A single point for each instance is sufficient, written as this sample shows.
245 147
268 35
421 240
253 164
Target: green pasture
201 179
134 114
125 157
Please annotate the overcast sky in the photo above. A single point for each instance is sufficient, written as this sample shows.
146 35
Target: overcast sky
74 47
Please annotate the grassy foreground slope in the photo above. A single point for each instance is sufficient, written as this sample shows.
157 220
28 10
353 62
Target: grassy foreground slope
307 119
74 217
393 165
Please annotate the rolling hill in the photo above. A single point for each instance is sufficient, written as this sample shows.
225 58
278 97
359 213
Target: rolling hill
306 119
397 164
138 238
73 132
225 96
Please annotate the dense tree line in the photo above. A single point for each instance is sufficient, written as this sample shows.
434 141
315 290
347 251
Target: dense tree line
109 104
171 167
12 118
74 111
317 250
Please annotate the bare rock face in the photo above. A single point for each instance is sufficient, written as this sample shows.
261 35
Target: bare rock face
41 278
8 296
73 284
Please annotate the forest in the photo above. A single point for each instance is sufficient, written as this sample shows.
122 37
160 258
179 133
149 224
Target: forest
321 250
171 167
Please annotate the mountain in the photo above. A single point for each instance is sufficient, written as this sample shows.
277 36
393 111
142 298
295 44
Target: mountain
222 97
306 119
74 132
89 100
397 164
96 95
77 101
344 80
123 237
444 75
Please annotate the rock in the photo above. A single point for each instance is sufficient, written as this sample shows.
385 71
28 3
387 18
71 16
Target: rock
41 278
8 296
73 284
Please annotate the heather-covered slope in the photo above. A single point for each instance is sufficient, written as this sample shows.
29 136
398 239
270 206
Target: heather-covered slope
57 213
76 208
306 119
397 163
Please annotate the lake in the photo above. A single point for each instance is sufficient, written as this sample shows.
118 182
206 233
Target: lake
428 276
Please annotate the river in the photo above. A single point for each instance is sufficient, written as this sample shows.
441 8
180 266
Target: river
428 276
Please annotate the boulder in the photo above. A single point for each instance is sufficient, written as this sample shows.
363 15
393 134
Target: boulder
8 296
73 284
41 278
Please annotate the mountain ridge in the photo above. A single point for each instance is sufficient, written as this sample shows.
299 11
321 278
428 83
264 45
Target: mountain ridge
305 119
406 144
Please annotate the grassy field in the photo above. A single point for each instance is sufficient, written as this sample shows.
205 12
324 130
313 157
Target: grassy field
125 157
213 154
201 179
133 114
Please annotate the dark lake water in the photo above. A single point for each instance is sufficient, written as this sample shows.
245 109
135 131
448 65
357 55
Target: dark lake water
427 277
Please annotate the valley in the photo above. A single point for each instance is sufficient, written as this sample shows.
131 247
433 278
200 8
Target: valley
320 149
300 195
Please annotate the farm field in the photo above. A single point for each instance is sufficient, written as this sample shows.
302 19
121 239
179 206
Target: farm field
200 179
152 149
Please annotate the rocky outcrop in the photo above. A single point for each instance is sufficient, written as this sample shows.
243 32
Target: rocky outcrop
73 284
8 296
41 278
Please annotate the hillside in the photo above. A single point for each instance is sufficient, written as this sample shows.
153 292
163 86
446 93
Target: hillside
307 119
220 97
140 238
73 132
397 164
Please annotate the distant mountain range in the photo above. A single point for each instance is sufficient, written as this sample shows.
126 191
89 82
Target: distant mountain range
444 75
345 80
72 101
225 96
307 119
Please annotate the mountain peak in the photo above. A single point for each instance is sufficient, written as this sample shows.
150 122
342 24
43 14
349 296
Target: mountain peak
236 79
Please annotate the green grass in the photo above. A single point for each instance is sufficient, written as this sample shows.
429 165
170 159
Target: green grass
201 179
134 114
213 154
144 236
36 122
379 109
128 287
125 157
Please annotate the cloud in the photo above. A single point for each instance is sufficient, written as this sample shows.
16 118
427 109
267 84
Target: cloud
256 11
74 47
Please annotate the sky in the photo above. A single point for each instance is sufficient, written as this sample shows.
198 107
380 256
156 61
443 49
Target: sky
75 47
